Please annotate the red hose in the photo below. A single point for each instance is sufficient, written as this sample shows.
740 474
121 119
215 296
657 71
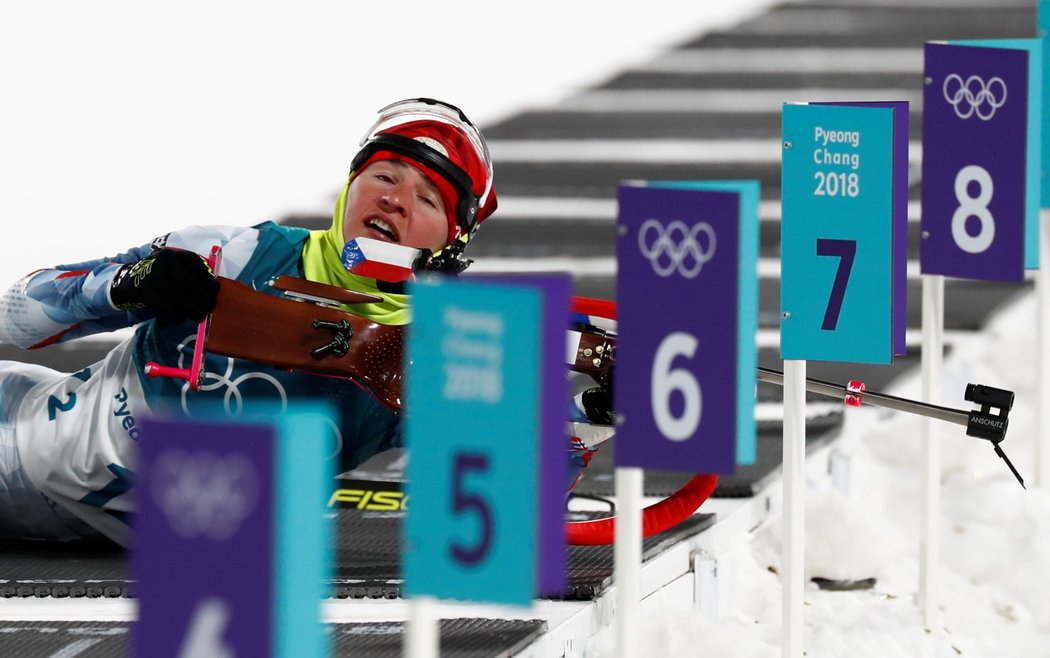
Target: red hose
658 517
603 308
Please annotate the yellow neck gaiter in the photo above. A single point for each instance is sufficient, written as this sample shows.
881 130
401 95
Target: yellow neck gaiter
322 262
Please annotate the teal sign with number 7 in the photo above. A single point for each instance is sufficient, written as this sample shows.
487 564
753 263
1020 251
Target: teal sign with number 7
838 263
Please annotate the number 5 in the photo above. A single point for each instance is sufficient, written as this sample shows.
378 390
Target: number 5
846 250
464 501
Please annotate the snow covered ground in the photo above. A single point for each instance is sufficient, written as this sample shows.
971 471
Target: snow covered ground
995 536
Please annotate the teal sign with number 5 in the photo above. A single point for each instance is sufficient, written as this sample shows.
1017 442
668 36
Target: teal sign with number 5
837 234
476 388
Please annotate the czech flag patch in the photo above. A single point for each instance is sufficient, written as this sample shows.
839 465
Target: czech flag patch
382 260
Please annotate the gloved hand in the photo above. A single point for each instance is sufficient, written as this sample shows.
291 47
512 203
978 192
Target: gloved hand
176 284
593 424
597 403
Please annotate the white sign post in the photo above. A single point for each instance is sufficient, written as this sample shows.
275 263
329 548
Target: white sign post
932 367
689 401
793 541
1042 438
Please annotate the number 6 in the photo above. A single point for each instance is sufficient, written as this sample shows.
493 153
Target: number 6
667 380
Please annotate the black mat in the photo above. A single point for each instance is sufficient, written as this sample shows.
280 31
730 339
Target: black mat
41 569
459 638
366 562
368 555
599 477
591 567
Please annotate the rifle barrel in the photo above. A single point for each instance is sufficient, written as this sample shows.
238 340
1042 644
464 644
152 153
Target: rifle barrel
871 398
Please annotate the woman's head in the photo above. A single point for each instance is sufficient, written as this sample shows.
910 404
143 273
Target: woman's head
423 167
394 201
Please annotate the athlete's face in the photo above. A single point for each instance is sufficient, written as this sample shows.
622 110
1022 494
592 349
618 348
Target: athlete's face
392 201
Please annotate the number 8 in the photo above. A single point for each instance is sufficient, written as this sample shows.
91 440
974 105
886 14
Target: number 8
973 207
667 380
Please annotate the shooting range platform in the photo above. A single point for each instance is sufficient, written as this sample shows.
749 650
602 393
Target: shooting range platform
366 562
460 638
47 592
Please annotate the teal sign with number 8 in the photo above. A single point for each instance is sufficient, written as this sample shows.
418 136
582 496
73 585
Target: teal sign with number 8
837 258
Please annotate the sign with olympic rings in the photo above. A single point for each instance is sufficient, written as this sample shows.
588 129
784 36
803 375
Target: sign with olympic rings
843 231
981 165
687 295
231 534
487 438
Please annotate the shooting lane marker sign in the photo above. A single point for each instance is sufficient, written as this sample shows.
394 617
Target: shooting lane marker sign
981 158
843 271
687 291
479 384
232 548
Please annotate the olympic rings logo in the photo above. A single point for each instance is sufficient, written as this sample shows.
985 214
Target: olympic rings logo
974 96
203 494
233 400
676 248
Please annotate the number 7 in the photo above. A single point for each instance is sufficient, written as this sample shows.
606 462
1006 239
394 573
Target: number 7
846 250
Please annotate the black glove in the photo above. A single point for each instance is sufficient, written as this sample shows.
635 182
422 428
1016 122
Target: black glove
598 403
176 284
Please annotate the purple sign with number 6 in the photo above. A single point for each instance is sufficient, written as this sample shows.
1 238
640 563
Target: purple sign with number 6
678 295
